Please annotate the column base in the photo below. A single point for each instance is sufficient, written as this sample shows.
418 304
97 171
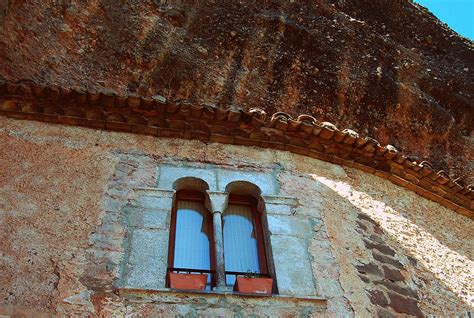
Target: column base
223 289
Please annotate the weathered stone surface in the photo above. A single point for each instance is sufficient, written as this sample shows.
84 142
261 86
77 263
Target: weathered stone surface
289 225
41 244
369 269
399 288
153 202
157 219
279 209
362 226
217 178
393 71
387 260
293 268
364 278
383 248
364 217
146 265
392 274
384 313
404 305
377 297
376 238
174 303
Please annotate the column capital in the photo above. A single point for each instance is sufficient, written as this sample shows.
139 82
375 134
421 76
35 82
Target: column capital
218 201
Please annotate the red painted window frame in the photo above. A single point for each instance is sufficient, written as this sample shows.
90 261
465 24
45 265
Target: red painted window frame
189 195
239 199
235 199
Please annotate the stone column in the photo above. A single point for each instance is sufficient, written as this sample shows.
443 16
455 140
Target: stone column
218 203
218 249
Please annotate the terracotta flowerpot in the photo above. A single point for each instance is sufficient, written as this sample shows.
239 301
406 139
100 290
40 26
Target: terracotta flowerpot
187 281
254 285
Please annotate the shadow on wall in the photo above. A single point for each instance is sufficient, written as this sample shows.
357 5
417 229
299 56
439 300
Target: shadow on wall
410 253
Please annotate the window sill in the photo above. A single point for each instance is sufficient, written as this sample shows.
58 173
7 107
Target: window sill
167 295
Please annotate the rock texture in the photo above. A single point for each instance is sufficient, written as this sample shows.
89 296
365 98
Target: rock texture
388 70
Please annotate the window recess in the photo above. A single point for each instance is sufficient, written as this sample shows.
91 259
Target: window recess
191 247
282 229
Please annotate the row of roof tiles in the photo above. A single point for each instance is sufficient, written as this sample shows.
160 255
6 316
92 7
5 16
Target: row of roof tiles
303 135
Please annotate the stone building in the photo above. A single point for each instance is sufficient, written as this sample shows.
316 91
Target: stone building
105 194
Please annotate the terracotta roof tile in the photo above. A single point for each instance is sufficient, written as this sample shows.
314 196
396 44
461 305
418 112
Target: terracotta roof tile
304 135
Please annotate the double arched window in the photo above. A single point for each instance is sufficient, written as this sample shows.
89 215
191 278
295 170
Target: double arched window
200 239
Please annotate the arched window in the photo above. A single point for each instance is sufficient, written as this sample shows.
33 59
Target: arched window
226 245
191 239
244 248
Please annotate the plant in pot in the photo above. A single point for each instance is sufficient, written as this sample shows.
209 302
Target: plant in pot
254 283
187 281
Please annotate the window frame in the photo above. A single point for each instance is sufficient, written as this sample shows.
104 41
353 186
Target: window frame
248 200
233 199
196 196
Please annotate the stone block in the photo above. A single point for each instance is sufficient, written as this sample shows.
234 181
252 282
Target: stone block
217 178
387 260
377 297
153 202
384 313
401 289
279 209
113 205
148 218
111 229
265 181
154 192
383 248
168 174
404 305
289 225
111 216
292 266
103 242
362 226
393 274
366 218
158 219
274 199
147 261
328 287
369 268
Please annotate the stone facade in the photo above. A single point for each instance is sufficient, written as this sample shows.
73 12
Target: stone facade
70 197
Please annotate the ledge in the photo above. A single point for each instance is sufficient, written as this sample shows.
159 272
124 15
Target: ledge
303 135
173 296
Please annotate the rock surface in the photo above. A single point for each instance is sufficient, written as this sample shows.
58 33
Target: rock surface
388 70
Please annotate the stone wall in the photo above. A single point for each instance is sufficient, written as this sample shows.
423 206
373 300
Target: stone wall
376 249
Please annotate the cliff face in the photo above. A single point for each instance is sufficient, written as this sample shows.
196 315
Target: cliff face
389 70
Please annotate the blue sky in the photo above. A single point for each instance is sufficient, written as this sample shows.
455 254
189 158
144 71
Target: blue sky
457 14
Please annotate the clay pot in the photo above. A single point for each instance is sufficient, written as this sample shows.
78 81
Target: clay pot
187 281
254 285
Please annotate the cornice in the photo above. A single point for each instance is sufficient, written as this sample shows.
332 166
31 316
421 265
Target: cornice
303 135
